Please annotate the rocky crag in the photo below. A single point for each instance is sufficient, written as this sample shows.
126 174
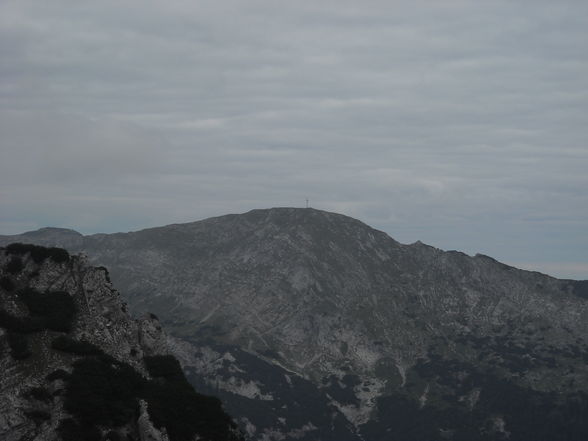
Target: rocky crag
75 366
311 325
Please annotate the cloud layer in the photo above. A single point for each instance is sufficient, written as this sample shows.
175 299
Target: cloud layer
458 123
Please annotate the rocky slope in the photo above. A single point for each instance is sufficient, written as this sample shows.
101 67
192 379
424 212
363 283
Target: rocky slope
391 341
76 366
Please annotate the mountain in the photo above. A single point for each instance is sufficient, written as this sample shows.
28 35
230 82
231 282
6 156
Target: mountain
312 325
76 367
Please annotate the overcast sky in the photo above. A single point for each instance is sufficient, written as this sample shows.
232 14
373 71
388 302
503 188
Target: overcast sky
463 124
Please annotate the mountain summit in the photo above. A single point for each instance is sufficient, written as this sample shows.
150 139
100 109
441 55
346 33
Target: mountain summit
399 341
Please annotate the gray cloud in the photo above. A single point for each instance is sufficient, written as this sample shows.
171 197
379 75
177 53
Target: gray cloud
457 123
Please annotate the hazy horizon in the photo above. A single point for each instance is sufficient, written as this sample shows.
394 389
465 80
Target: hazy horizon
458 123
565 271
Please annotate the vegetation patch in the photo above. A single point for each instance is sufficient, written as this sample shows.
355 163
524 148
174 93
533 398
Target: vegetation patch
6 283
56 308
527 414
113 436
19 345
38 415
71 430
38 253
40 394
166 367
342 391
104 392
14 265
185 413
77 347
52 310
24 325
58 374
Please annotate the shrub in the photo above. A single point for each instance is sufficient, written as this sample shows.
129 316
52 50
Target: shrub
77 347
58 255
174 404
70 430
52 310
7 320
164 366
15 265
102 391
6 283
40 394
19 346
59 374
23 325
185 413
38 415
38 253
113 436
57 308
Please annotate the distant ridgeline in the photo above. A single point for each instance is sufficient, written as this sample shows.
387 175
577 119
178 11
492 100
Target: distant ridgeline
311 325
76 367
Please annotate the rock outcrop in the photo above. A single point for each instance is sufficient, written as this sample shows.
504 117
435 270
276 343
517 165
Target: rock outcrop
76 366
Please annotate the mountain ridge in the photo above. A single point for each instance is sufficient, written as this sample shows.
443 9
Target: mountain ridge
369 325
51 235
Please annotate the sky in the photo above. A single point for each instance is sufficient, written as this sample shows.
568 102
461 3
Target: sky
460 123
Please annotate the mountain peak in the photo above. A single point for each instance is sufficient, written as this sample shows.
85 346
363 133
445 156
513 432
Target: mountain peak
377 327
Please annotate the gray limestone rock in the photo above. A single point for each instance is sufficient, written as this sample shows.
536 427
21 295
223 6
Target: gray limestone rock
361 318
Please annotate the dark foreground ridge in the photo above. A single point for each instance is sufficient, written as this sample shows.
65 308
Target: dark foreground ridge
312 325
76 367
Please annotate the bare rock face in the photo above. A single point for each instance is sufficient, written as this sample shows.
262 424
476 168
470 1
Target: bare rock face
151 336
76 366
380 334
